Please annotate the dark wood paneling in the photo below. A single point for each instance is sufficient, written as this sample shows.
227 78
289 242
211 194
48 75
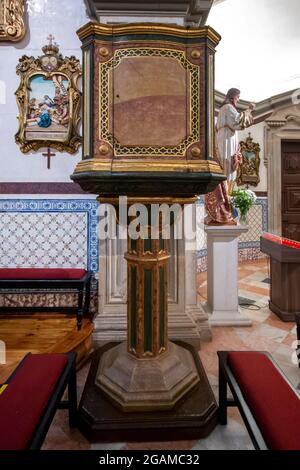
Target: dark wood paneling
285 275
291 190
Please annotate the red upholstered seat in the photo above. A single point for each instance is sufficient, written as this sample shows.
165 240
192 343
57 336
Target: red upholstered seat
273 403
23 401
42 273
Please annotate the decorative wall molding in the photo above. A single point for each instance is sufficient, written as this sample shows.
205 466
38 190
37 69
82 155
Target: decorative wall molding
40 188
283 124
261 193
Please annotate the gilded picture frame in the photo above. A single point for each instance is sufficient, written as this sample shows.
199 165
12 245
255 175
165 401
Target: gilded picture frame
49 101
12 25
248 171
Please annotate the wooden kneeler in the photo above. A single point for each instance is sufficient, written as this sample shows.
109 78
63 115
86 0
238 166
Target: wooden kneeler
268 403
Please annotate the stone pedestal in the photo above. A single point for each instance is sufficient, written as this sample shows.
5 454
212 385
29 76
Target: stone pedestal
222 276
187 319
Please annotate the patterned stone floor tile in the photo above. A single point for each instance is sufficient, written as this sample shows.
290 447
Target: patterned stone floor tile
284 353
256 317
108 446
255 289
294 330
253 267
234 436
259 343
289 340
162 445
270 332
277 323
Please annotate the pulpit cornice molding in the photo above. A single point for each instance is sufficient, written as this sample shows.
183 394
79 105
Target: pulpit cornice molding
189 12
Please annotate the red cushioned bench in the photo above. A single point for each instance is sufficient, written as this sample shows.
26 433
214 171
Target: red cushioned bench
49 278
297 317
31 396
268 403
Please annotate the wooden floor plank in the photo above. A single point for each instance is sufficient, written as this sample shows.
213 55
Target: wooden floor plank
40 333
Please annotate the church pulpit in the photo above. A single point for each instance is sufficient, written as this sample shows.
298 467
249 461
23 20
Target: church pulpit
148 135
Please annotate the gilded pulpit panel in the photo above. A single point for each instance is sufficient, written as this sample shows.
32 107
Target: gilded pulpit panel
145 86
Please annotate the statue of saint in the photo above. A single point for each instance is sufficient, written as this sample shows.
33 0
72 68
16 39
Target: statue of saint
230 120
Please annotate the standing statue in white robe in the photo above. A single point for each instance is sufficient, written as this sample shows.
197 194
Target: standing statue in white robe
228 154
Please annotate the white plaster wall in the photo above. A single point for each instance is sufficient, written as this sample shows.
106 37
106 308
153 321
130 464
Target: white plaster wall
257 132
61 19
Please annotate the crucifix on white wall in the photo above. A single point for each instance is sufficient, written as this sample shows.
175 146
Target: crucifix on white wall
49 154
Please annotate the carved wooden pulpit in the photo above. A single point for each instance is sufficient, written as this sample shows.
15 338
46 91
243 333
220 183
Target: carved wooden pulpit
148 134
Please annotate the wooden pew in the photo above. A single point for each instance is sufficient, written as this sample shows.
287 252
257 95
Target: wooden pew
268 403
62 279
31 396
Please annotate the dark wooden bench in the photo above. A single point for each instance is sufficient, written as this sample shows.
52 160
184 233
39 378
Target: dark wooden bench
62 279
31 396
268 403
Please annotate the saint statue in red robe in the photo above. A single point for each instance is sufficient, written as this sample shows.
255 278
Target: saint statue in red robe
217 203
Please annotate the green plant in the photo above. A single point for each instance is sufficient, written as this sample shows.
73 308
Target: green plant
243 199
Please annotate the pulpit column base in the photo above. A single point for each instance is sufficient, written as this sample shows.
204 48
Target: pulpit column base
194 416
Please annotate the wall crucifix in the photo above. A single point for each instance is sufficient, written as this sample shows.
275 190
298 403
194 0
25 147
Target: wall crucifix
49 155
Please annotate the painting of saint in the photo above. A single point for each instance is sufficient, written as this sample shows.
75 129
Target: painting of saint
48 113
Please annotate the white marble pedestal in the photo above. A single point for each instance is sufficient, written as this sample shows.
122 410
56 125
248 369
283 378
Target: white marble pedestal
222 275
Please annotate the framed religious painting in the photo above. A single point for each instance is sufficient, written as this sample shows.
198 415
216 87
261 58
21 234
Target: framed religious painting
248 172
49 101
12 26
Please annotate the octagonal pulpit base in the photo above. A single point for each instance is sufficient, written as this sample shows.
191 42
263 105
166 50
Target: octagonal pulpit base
194 415
157 383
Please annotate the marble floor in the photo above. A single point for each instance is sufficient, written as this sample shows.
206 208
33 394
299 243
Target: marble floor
266 333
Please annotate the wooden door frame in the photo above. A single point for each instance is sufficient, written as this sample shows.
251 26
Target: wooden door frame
283 142
283 125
